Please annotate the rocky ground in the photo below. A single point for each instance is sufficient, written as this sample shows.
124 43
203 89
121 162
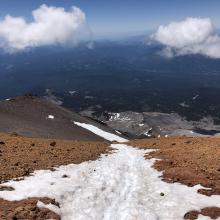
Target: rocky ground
26 209
19 156
154 124
33 116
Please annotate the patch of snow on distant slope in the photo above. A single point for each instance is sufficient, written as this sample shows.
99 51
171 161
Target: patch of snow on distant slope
195 97
72 92
50 117
114 116
118 117
121 186
106 135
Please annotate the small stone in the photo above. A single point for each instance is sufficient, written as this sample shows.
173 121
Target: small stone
14 218
65 176
2 143
6 188
15 134
52 169
53 144
28 207
19 209
162 194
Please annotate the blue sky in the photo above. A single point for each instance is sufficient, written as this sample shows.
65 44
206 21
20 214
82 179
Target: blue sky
115 17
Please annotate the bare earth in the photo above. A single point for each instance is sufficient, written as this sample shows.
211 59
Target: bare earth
28 116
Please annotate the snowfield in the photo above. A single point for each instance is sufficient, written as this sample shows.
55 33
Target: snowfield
106 135
118 186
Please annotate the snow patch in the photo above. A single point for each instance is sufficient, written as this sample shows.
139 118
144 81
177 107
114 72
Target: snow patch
50 206
122 186
195 97
50 117
117 116
106 135
184 105
114 116
148 133
72 92
201 217
118 132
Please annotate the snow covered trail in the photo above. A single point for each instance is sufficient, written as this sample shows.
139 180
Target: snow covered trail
119 186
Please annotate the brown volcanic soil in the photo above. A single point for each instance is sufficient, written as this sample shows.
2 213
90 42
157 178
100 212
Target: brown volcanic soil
26 210
19 156
190 161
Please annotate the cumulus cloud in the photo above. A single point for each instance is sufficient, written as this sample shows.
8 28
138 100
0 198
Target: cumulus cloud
50 26
191 36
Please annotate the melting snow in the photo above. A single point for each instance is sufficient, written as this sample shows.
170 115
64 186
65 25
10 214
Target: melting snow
106 135
122 185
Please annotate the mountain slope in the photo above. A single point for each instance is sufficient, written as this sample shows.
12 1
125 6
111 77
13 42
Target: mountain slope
36 117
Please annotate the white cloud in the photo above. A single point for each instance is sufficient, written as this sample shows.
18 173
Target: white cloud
191 36
50 26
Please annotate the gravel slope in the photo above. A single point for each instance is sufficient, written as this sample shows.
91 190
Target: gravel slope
37 117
